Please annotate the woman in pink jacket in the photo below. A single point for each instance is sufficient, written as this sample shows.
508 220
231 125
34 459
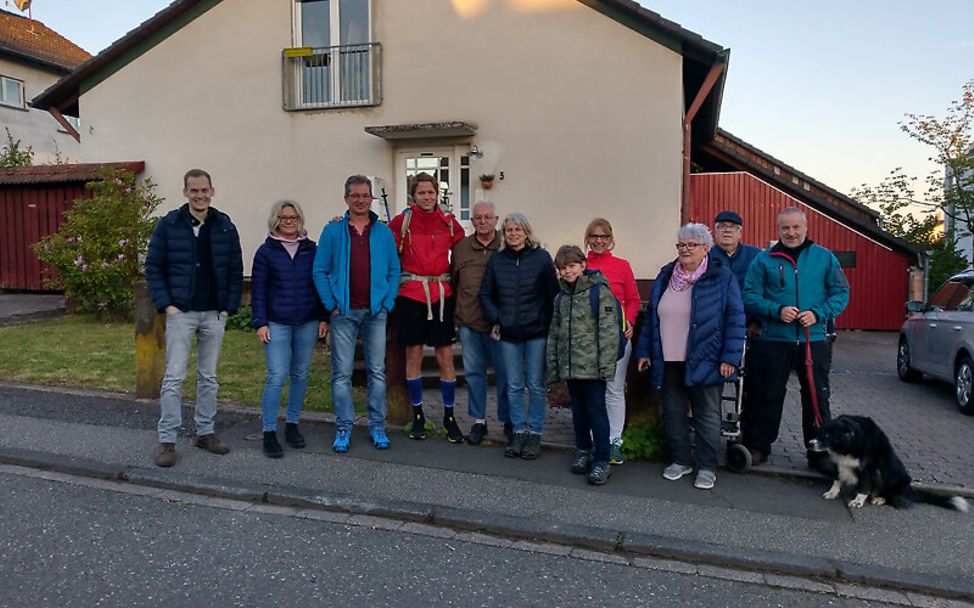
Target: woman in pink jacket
622 283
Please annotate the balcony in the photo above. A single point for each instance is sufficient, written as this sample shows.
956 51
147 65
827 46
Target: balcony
345 76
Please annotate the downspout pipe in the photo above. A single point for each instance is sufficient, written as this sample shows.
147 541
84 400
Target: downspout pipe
708 84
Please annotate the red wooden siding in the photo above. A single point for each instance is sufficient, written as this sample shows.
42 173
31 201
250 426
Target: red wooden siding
878 282
27 214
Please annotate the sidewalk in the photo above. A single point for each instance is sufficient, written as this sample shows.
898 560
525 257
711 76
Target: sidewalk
748 521
16 308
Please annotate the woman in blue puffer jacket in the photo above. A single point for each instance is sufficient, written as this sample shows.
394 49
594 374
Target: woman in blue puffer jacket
692 341
289 318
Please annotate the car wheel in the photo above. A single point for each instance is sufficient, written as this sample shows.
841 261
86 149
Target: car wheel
964 385
903 369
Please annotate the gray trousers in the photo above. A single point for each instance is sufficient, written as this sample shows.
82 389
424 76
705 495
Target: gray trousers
704 403
208 327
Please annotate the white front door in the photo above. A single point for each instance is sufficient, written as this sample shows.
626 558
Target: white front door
449 166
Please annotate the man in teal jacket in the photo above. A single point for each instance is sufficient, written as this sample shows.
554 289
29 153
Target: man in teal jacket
792 289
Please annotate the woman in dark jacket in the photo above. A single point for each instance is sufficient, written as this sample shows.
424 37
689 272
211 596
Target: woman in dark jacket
692 341
288 316
517 295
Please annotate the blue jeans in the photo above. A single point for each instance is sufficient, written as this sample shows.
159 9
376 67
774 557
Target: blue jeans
208 328
479 350
344 330
589 418
524 367
288 354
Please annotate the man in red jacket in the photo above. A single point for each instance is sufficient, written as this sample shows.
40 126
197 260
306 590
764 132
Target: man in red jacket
424 307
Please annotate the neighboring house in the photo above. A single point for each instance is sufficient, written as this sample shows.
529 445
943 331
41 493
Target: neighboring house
577 106
954 222
32 58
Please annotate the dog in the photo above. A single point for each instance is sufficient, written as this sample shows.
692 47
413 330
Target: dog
867 463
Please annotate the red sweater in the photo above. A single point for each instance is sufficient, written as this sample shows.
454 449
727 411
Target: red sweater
426 251
622 282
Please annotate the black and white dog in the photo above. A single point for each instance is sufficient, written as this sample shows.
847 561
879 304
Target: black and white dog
867 463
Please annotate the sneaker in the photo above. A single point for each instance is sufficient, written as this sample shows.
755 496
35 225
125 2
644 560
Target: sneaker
166 455
418 430
292 436
211 444
582 462
379 439
509 431
340 444
676 471
705 480
615 452
477 433
517 445
453 434
532 447
272 449
600 474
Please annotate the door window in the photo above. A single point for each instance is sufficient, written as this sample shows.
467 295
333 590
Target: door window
948 297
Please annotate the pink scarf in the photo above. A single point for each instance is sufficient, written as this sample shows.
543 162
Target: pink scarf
290 245
681 279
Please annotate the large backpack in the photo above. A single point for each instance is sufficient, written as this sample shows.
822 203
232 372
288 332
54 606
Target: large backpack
404 231
593 300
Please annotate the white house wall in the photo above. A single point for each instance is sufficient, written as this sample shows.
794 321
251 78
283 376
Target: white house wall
580 113
35 128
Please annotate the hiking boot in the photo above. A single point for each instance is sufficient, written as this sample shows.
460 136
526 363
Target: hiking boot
272 449
600 474
705 480
532 447
615 452
517 445
676 471
418 429
340 445
211 444
757 456
166 455
453 434
582 462
380 440
509 432
477 433
292 436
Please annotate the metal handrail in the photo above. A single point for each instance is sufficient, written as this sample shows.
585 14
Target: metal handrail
342 76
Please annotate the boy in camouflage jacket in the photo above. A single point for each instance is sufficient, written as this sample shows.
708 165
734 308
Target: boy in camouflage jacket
582 349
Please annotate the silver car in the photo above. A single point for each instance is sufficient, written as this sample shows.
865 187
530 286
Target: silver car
938 339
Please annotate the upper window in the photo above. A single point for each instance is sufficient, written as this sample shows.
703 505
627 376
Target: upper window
11 92
325 23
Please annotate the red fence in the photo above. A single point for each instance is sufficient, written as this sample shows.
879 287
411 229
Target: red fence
879 277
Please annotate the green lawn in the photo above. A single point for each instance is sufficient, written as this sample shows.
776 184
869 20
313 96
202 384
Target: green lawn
78 351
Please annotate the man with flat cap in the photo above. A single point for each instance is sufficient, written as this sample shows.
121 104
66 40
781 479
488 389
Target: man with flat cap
728 247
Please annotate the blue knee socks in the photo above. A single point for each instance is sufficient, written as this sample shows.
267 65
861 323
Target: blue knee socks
414 386
448 388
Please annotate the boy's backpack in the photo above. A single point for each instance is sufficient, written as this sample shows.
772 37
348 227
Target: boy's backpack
593 300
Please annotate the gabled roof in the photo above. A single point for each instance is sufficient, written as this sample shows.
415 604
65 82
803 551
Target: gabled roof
32 41
60 174
698 54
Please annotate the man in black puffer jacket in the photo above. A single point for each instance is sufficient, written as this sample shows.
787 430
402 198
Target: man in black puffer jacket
194 269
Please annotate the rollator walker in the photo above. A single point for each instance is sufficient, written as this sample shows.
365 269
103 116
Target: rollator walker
738 456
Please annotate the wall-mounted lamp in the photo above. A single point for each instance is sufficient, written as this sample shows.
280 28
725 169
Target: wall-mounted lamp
475 151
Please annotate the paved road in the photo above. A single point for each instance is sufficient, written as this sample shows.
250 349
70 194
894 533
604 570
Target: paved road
70 545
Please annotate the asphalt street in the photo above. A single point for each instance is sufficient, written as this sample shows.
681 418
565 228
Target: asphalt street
63 544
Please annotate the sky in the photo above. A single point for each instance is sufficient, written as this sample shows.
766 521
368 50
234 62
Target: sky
819 85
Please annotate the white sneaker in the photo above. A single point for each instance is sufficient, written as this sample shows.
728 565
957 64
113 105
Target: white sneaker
676 471
705 480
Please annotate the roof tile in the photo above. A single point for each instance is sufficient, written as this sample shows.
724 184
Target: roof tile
31 38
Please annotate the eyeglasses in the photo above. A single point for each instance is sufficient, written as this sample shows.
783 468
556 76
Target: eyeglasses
359 197
599 237
687 246
484 218
728 226
288 218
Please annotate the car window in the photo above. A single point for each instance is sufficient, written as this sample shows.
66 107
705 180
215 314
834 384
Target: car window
966 302
948 296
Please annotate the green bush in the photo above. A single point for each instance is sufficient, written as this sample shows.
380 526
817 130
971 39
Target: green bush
645 442
12 155
97 251
241 319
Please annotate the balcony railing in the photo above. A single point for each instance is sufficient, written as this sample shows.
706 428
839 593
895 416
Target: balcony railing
332 77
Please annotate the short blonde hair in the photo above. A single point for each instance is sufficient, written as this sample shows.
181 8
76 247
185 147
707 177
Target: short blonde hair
600 222
274 219
518 218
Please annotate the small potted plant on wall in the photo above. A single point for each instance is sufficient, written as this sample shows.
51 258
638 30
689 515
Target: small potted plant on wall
486 181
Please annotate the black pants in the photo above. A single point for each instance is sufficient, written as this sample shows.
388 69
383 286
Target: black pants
768 366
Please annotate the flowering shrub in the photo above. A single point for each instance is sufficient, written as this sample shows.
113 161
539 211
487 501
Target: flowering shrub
98 250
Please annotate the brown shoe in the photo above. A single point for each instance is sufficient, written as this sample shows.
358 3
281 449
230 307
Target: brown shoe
166 456
211 444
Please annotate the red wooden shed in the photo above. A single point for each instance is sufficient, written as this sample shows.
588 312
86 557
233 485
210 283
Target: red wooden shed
32 205
758 186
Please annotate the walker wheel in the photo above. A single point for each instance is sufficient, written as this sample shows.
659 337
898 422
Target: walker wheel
738 457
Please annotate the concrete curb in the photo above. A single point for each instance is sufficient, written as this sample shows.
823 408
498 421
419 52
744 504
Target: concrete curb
600 539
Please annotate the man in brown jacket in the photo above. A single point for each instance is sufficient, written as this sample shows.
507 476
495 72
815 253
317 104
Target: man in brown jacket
467 269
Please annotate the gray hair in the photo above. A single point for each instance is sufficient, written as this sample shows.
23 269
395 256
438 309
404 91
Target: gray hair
493 209
518 218
698 233
274 219
792 211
